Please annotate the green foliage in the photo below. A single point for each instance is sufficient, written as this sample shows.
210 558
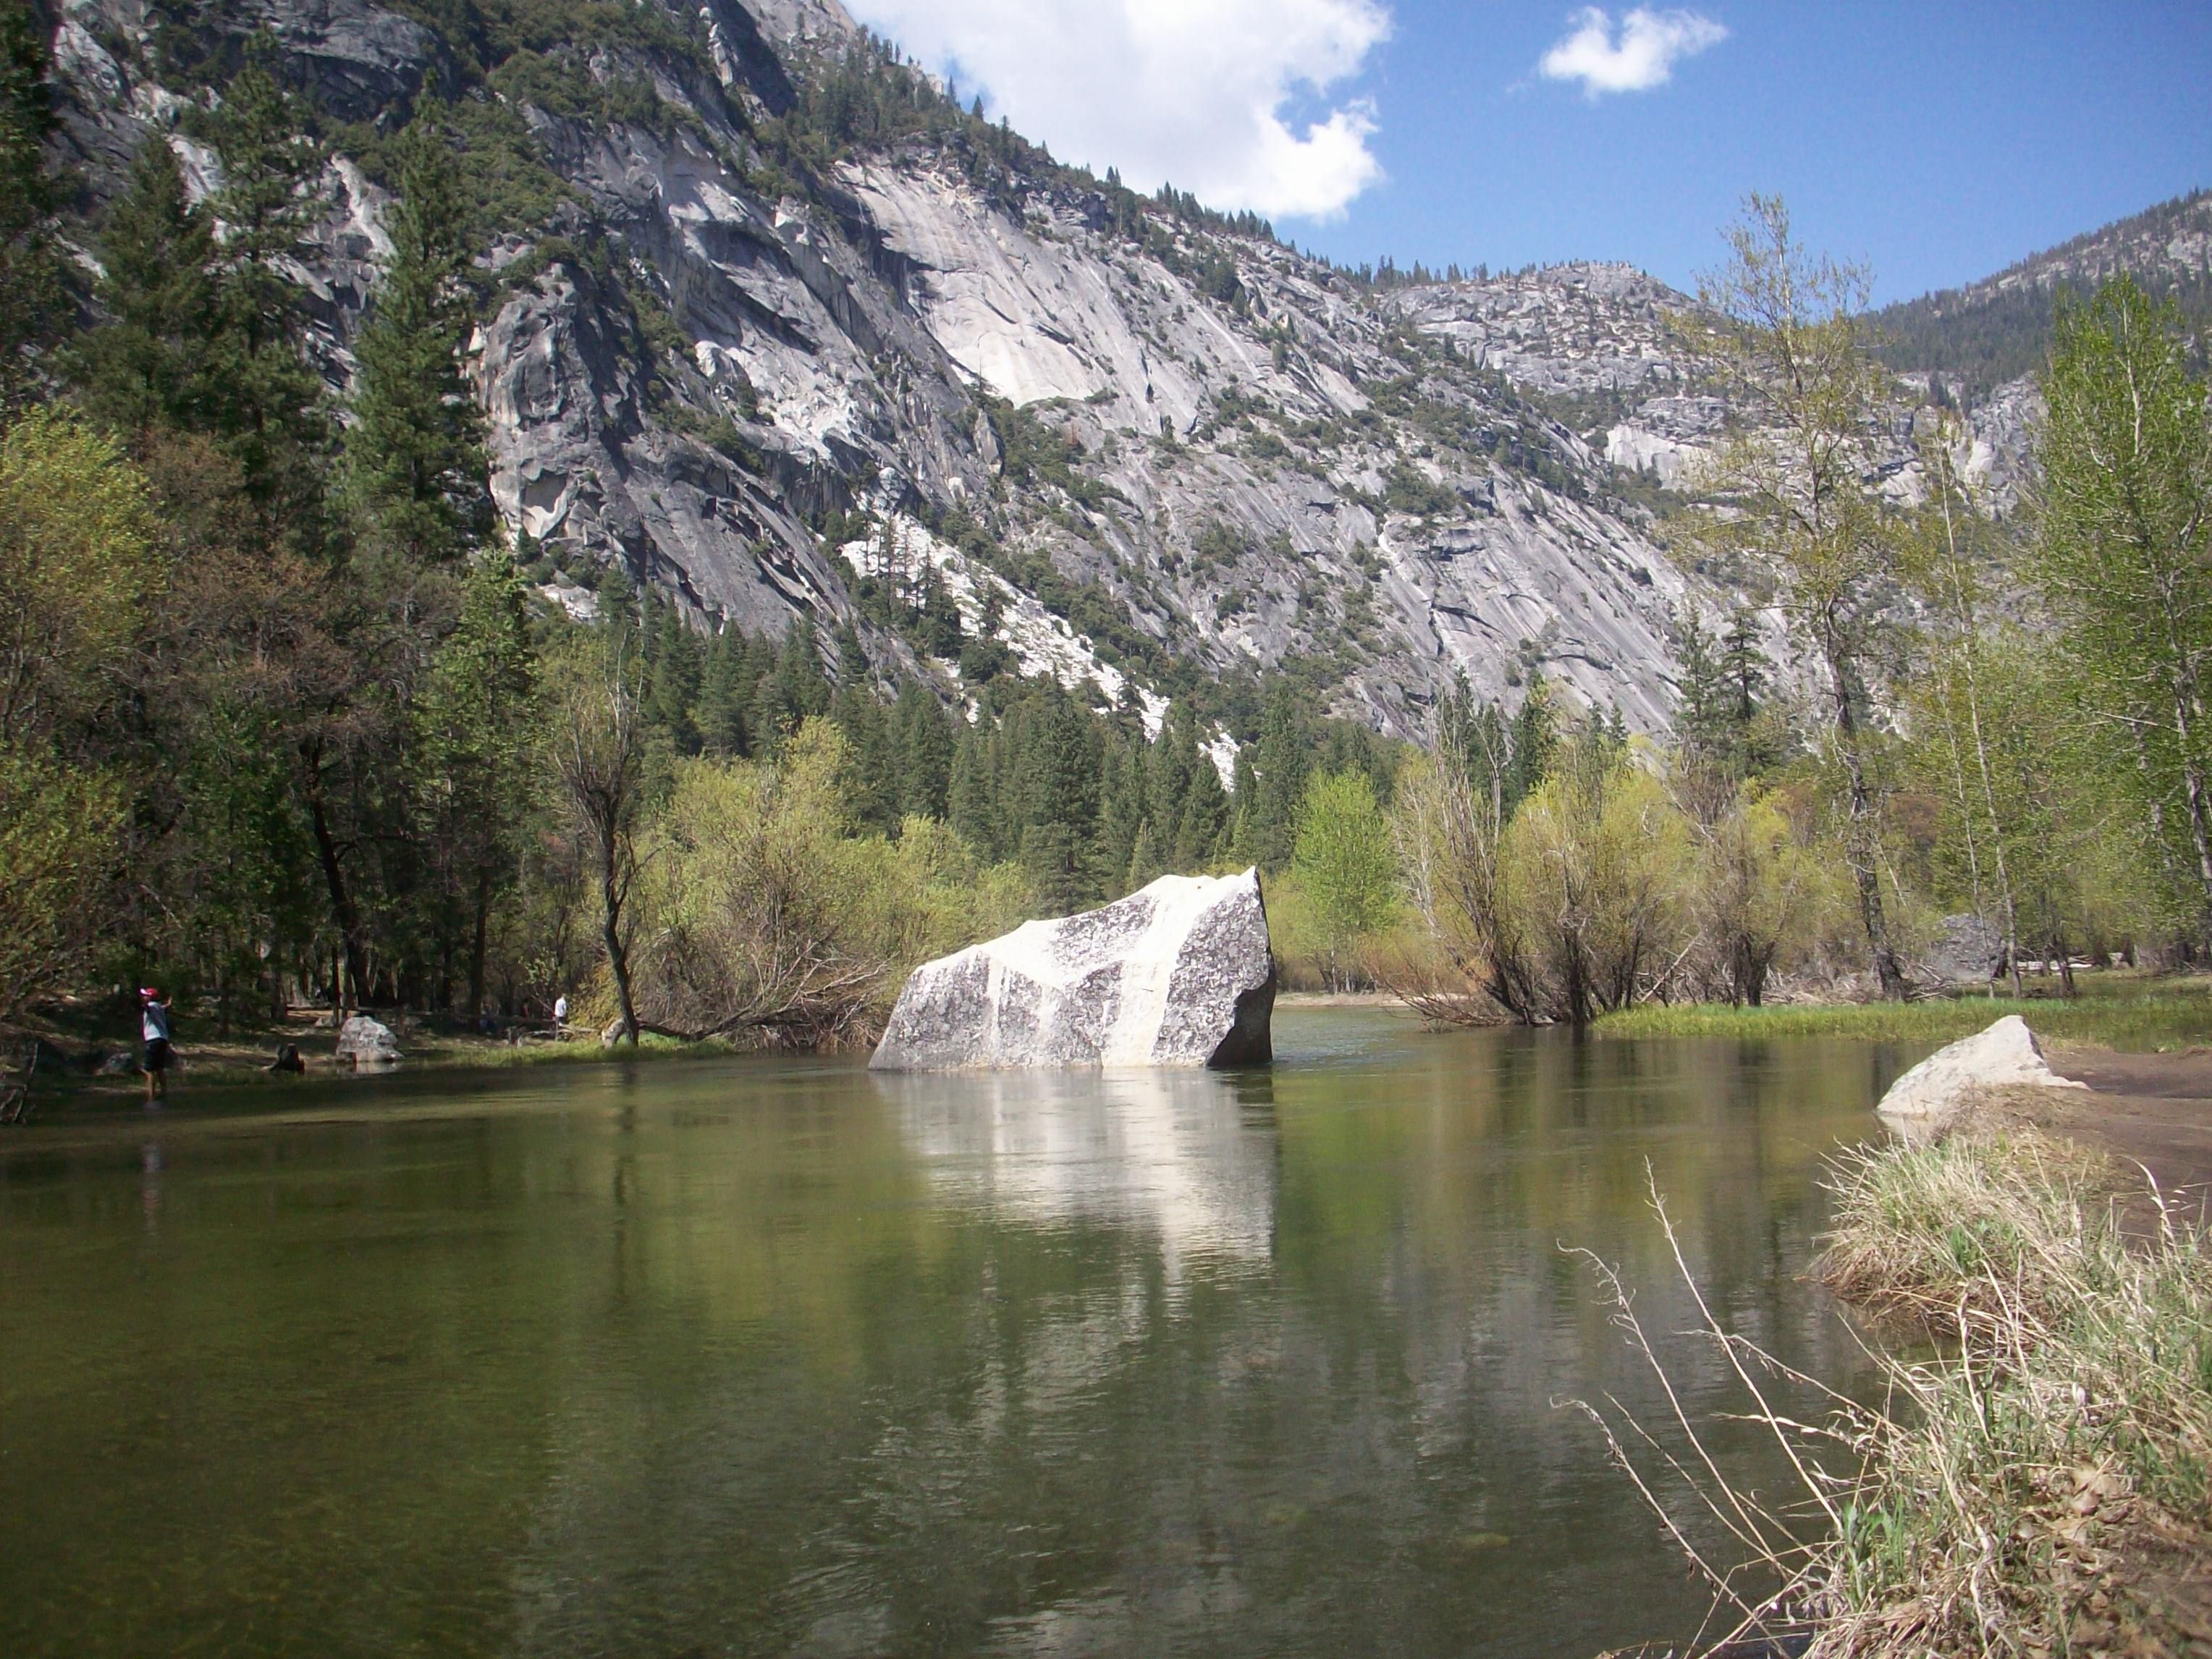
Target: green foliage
1344 865
77 572
59 831
2118 1010
152 362
1033 452
1593 875
2123 555
77 568
413 456
1783 333
33 296
1724 680
769 913
1410 490
473 753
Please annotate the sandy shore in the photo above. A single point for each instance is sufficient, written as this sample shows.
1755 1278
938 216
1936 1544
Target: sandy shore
2147 1108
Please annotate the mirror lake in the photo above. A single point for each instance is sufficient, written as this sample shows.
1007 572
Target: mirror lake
776 1356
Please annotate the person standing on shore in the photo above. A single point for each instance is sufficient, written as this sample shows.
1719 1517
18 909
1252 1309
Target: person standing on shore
153 1031
561 1014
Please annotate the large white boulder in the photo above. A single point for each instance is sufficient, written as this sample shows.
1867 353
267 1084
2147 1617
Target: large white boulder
1177 974
365 1041
2005 1055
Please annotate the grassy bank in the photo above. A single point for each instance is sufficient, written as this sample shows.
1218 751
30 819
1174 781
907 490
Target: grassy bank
242 1062
2037 1479
2042 1486
2118 1010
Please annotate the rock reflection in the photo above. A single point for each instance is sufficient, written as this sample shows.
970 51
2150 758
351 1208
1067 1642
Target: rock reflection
1179 1155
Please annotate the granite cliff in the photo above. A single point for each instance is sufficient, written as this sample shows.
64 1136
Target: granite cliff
784 368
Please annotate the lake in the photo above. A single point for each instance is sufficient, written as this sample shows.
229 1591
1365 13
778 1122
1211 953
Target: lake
765 1355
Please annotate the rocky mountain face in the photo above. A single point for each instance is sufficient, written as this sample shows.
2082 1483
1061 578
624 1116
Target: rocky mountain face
1982 343
787 374
2161 246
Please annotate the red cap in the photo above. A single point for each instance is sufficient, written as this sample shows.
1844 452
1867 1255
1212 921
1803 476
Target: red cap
147 991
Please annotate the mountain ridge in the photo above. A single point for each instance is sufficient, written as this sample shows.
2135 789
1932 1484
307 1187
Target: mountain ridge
774 325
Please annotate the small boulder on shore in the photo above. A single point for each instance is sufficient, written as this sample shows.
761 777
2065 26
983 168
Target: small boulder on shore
2006 1055
363 1042
1180 974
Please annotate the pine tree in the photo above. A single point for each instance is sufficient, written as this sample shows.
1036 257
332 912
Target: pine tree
870 776
794 689
621 611
1145 863
923 738
473 737
1706 718
415 457
272 421
674 672
722 695
33 300
1121 807
1745 665
1534 743
970 809
147 365
1283 758
1201 832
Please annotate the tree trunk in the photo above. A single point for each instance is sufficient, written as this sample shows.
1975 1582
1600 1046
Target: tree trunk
355 955
1862 849
610 909
1965 617
477 942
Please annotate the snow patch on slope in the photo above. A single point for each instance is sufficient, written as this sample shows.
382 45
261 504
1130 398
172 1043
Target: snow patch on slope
1042 643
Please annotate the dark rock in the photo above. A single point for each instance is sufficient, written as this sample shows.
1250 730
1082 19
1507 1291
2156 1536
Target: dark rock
1969 951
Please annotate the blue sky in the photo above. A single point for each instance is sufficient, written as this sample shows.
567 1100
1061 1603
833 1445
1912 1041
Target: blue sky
1937 141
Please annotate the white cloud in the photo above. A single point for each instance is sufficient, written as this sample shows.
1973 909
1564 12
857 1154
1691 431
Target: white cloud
1197 93
1640 56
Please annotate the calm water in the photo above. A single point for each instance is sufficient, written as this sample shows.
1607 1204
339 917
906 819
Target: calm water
776 1357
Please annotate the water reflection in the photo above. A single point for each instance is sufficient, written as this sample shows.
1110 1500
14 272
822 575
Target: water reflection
784 1358
1179 1157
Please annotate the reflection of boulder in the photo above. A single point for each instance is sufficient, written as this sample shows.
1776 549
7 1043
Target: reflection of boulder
1177 974
2005 1055
1165 1152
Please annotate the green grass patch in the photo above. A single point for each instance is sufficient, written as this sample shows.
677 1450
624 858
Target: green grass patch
2113 1011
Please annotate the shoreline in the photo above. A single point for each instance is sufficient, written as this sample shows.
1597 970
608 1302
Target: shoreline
2036 1279
2041 1482
2118 1010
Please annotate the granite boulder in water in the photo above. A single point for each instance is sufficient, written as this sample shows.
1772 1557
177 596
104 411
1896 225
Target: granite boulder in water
1180 974
2006 1055
363 1042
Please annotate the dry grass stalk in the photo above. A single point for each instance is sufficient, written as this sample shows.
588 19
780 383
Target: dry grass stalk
2029 1488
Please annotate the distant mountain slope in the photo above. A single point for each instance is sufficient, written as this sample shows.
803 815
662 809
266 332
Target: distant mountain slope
773 324
1979 337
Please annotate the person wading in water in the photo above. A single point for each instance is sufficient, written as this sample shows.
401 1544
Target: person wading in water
154 1029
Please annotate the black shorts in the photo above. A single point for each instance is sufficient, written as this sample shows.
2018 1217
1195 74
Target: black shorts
157 1057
